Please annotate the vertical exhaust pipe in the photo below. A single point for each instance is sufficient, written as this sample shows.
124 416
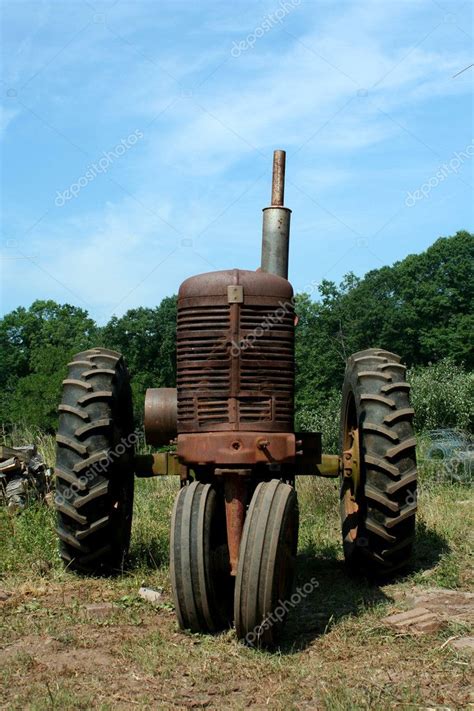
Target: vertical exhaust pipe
276 223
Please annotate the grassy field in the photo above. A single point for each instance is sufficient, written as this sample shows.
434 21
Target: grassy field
337 653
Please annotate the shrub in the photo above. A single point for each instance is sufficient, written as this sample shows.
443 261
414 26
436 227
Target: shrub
323 417
442 395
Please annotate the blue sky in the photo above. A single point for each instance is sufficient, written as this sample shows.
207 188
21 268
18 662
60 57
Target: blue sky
185 102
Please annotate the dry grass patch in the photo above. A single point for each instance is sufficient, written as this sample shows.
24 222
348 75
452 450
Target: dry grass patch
337 654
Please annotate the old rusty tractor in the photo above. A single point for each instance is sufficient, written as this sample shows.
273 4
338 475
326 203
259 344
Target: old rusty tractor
230 421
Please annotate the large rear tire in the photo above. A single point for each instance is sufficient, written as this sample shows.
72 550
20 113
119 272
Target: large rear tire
266 566
94 463
199 560
378 496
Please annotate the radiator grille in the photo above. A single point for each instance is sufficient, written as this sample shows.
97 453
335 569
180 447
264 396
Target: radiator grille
224 388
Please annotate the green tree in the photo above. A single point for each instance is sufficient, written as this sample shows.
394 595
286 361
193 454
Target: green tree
147 339
420 308
35 347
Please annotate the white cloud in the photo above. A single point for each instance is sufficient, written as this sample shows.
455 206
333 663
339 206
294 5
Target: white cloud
6 117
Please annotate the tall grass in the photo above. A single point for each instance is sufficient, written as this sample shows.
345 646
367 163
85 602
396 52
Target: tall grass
154 500
28 542
20 435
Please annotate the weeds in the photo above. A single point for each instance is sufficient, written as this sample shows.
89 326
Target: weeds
336 653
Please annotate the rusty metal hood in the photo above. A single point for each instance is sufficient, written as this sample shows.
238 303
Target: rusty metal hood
255 284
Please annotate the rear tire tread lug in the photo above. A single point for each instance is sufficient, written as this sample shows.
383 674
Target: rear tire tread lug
93 428
78 412
98 371
71 443
94 396
74 382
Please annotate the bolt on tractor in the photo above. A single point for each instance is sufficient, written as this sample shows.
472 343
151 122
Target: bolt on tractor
230 421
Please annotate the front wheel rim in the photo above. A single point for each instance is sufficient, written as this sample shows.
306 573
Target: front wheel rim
351 476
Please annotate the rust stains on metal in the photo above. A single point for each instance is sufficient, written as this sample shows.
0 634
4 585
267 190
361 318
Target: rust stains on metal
235 494
236 448
161 415
276 223
235 361
351 480
278 178
351 459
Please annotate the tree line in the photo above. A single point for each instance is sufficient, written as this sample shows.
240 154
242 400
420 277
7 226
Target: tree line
420 308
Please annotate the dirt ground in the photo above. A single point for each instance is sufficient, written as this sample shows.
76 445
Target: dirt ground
80 643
